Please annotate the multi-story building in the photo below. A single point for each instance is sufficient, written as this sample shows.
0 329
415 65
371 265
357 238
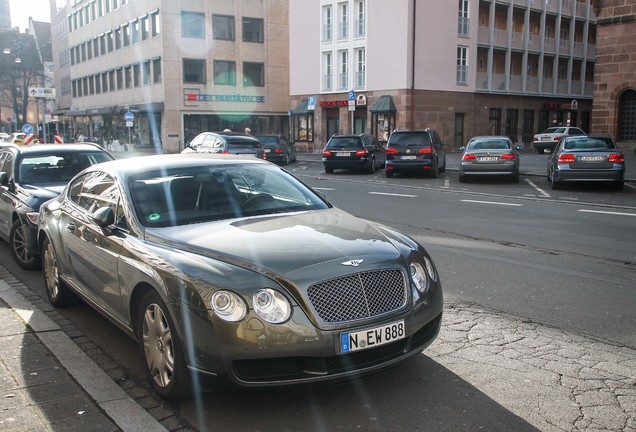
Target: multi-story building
614 109
469 67
179 67
5 15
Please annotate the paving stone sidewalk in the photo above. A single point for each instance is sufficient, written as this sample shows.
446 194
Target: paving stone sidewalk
555 380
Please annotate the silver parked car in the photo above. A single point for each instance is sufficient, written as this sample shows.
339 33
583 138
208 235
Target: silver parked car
489 156
232 267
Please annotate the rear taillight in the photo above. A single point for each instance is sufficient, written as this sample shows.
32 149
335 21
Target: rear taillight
426 150
535 139
225 152
556 138
616 158
508 156
326 153
566 158
469 157
278 150
391 151
264 156
362 153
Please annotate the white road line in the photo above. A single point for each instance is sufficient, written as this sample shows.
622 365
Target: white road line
493 202
393 194
541 191
608 212
630 186
325 189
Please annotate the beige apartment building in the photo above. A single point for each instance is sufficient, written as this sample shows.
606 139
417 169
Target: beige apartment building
176 68
464 68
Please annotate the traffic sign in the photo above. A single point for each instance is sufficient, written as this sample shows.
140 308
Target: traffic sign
27 128
352 95
311 103
129 116
352 100
43 92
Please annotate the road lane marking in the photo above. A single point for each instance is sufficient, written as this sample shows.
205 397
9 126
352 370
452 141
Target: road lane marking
541 191
493 202
324 188
630 186
393 194
608 212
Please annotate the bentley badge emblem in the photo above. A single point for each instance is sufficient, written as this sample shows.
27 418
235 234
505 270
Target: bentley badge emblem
353 263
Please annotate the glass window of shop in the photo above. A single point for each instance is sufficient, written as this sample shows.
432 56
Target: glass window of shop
302 123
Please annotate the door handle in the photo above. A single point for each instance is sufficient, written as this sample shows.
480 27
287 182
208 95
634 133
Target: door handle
71 227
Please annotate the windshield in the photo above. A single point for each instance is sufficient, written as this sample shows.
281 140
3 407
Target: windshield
410 139
58 167
586 144
200 194
344 142
491 144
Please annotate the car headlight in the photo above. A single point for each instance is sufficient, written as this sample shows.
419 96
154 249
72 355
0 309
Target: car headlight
228 306
271 305
33 217
419 277
430 268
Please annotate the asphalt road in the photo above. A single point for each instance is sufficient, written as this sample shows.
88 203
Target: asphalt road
566 259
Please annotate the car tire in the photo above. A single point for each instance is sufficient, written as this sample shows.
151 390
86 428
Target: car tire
434 171
463 178
443 168
329 170
56 290
515 178
161 350
556 185
371 169
540 151
20 249
388 174
285 160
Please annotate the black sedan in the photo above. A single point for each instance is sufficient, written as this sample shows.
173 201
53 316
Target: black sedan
29 176
586 159
353 152
489 156
277 148
233 267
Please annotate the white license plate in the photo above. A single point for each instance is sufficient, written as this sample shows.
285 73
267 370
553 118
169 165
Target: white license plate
340 154
408 157
546 139
592 158
247 154
488 159
268 150
371 338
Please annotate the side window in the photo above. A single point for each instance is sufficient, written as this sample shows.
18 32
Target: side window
3 156
100 190
8 165
197 141
75 188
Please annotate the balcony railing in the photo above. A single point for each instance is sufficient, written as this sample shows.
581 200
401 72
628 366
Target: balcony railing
343 30
361 78
463 25
343 81
327 82
462 74
360 28
326 33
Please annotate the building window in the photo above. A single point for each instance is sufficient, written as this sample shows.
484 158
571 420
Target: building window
155 24
327 26
145 72
128 77
224 72
125 30
252 30
136 75
627 116
120 78
361 68
494 121
343 82
194 71
462 65
134 30
98 84
193 25
89 50
111 81
83 51
512 124
223 27
118 38
253 74
328 68
145 28
105 82
463 23
156 71
344 22
110 41
361 19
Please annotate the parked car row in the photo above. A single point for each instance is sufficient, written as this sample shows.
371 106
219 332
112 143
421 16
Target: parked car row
274 148
220 266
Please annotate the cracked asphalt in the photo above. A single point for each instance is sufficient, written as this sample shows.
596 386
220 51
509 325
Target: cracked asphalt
555 380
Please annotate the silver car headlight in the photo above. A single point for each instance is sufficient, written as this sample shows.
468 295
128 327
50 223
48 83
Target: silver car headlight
271 305
430 268
419 277
228 306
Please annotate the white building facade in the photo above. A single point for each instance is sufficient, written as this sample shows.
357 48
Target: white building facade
464 68
180 67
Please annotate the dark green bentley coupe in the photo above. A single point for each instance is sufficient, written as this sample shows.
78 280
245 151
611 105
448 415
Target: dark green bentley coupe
229 267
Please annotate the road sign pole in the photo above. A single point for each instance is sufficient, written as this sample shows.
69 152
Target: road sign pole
43 120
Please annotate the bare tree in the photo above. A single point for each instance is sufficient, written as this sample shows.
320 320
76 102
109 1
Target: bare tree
20 68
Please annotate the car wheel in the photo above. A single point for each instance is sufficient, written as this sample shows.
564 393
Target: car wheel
515 177
434 171
388 173
56 290
329 170
540 151
20 249
161 349
372 166
463 178
285 160
443 168
555 184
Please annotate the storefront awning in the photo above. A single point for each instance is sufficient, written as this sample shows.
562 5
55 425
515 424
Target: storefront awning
384 105
301 108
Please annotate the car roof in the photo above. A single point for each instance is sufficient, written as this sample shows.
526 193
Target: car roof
47 148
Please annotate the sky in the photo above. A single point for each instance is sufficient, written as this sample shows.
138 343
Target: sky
21 10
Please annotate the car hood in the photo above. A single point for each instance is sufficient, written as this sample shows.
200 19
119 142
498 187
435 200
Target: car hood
36 195
285 243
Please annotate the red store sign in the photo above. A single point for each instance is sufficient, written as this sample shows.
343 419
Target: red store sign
334 104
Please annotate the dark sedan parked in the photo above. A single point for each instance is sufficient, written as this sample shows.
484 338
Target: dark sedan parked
489 156
589 158
29 176
277 149
353 152
226 143
415 151
232 267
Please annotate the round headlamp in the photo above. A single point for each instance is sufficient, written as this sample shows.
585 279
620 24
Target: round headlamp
228 306
419 277
271 305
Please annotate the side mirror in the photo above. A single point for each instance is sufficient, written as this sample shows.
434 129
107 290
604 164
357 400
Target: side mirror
104 216
519 147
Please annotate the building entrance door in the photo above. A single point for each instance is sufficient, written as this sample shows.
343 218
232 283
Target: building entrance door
459 130
333 126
